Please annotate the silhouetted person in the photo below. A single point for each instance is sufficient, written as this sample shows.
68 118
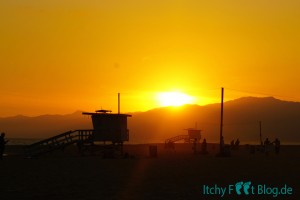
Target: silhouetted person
195 145
267 146
237 143
277 145
2 144
204 147
232 144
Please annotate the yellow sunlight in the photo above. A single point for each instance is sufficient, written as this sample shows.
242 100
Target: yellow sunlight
174 99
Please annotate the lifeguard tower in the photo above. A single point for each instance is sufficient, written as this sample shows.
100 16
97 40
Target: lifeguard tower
109 133
193 136
109 127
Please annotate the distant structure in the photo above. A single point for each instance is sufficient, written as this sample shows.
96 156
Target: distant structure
193 136
107 136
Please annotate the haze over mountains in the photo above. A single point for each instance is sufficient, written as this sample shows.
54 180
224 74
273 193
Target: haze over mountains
241 120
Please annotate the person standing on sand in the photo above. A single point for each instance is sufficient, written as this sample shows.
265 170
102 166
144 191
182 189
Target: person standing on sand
232 144
277 145
267 146
237 144
2 145
204 147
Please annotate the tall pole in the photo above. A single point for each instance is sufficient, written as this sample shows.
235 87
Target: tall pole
119 103
221 124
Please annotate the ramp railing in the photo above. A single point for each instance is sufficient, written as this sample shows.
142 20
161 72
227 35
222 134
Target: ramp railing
59 142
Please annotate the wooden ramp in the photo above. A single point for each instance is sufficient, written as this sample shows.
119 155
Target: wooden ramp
177 138
59 142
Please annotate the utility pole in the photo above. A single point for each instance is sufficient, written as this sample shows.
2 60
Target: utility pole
119 103
221 124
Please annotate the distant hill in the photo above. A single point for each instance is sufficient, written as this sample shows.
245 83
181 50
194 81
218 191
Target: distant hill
43 126
241 120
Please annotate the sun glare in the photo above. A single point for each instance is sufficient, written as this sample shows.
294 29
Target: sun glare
174 99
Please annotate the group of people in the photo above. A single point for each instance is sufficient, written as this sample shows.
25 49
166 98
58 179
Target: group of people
268 144
3 142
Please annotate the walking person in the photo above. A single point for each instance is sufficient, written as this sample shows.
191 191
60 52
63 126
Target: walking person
2 145
237 144
232 144
277 145
204 147
267 146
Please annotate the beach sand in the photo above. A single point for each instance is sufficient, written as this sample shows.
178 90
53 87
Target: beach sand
174 174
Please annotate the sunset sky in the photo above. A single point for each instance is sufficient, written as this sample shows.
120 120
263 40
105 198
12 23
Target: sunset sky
59 56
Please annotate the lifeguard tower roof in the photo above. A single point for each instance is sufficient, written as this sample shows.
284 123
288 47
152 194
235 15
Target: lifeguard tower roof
105 113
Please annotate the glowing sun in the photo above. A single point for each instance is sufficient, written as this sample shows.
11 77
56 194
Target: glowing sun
174 99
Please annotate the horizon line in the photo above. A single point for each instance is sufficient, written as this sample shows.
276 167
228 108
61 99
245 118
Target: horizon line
79 110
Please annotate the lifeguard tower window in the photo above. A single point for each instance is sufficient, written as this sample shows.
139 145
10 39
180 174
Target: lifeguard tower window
110 127
194 134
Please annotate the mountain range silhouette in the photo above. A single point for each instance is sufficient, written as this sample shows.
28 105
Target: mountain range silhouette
241 120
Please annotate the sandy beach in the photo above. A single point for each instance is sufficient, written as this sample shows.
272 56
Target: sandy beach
174 174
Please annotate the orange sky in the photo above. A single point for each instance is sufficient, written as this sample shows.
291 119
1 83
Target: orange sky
57 56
